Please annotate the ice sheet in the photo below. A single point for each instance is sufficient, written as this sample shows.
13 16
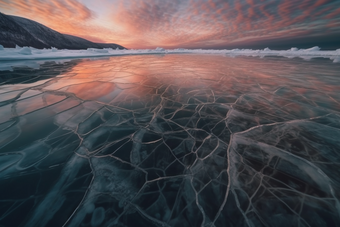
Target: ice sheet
171 140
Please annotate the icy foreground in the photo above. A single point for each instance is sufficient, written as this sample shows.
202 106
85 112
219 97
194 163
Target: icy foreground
171 140
8 55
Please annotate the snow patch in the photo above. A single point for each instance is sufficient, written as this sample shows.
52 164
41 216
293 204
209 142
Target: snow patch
1 47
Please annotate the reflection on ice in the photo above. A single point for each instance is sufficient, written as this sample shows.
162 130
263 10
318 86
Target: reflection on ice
174 140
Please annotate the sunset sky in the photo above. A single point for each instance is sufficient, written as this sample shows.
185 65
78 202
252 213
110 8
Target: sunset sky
189 23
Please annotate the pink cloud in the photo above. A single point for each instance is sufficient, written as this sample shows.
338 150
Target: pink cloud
196 22
185 23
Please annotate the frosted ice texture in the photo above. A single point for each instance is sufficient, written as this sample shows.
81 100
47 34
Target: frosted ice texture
174 140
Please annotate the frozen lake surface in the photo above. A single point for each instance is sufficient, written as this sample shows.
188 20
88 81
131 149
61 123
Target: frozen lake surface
171 140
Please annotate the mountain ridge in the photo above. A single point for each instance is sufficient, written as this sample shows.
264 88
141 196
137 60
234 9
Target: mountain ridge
21 31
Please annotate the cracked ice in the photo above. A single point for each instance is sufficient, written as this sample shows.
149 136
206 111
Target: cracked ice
173 140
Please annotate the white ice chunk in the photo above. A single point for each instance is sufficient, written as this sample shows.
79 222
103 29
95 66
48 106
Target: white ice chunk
337 59
97 50
25 51
160 49
316 48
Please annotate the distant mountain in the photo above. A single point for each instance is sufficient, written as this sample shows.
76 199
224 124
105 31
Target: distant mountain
24 32
12 33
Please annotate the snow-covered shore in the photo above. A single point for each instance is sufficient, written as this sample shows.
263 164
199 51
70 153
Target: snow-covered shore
8 56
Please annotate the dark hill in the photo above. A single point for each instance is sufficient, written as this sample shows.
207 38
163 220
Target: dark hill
24 32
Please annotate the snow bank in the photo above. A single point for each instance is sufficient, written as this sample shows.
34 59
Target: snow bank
28 53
